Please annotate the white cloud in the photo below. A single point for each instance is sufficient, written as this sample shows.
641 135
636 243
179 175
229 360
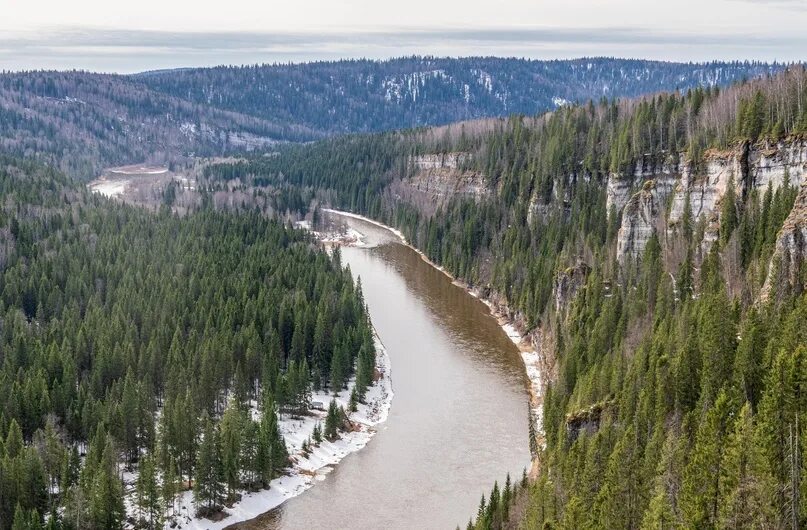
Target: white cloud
129 36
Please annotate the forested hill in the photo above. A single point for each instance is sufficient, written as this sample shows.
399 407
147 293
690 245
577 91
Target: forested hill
363 95
654 252
126 334
82 122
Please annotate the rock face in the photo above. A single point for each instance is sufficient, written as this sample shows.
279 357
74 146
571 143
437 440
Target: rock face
773 164
786 270
567 284
639 220
586 420
665 175
435 178
706 187
746 166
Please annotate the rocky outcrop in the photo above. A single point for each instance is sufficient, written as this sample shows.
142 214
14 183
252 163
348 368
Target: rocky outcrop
786 271
776 163
440 161
706 187
436 178
586 420
639 220
749 167
567 284
745 166
620 188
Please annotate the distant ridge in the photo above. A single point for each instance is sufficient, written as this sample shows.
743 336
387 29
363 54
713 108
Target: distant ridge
82 121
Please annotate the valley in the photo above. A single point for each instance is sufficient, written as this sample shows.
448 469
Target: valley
451 428
413 293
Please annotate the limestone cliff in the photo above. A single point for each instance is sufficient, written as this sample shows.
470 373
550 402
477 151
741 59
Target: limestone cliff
665 174
639 220
435 178
704 184
567 284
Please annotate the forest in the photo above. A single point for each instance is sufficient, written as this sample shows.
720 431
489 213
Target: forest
677 396
171 346
350 96
83 122
167 345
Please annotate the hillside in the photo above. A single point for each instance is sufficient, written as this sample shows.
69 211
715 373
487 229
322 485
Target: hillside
361 95
653 249
82 122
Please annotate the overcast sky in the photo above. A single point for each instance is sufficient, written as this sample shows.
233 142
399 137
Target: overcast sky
128 36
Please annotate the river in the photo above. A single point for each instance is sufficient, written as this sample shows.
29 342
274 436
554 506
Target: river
459 418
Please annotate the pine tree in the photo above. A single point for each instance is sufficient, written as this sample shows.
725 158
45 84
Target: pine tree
14 443
106 495
250 441
728 212
339 368
332 421
317 434
148 494
21 519
272 454
507 497
170 488
662 511
231 430
618 502
208 492
353 404
746 487
701 487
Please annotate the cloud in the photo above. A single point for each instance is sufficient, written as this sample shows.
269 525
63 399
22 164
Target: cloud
782 4
126 50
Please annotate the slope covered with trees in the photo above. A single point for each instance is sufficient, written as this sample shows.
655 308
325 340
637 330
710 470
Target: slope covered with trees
133 340
675 387
82 122
363 95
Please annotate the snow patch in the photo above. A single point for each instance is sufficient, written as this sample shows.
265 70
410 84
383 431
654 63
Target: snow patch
560 102
109 188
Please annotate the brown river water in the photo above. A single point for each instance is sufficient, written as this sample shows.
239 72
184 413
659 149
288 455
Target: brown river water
459 418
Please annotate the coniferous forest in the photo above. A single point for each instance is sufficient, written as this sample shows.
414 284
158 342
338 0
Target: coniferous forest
127 334
170 347
677 393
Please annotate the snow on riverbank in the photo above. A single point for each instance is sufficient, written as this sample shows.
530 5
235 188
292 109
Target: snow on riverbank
309 469
349 238
529 355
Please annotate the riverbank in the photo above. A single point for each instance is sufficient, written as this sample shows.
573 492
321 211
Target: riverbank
529 354
307 468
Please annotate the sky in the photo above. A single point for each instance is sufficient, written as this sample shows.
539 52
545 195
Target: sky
139 35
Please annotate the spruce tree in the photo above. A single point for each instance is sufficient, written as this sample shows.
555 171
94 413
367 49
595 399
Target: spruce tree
272 454
170 488
106 493
231 430
746 486
148 494
701 486
208 492
332 421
